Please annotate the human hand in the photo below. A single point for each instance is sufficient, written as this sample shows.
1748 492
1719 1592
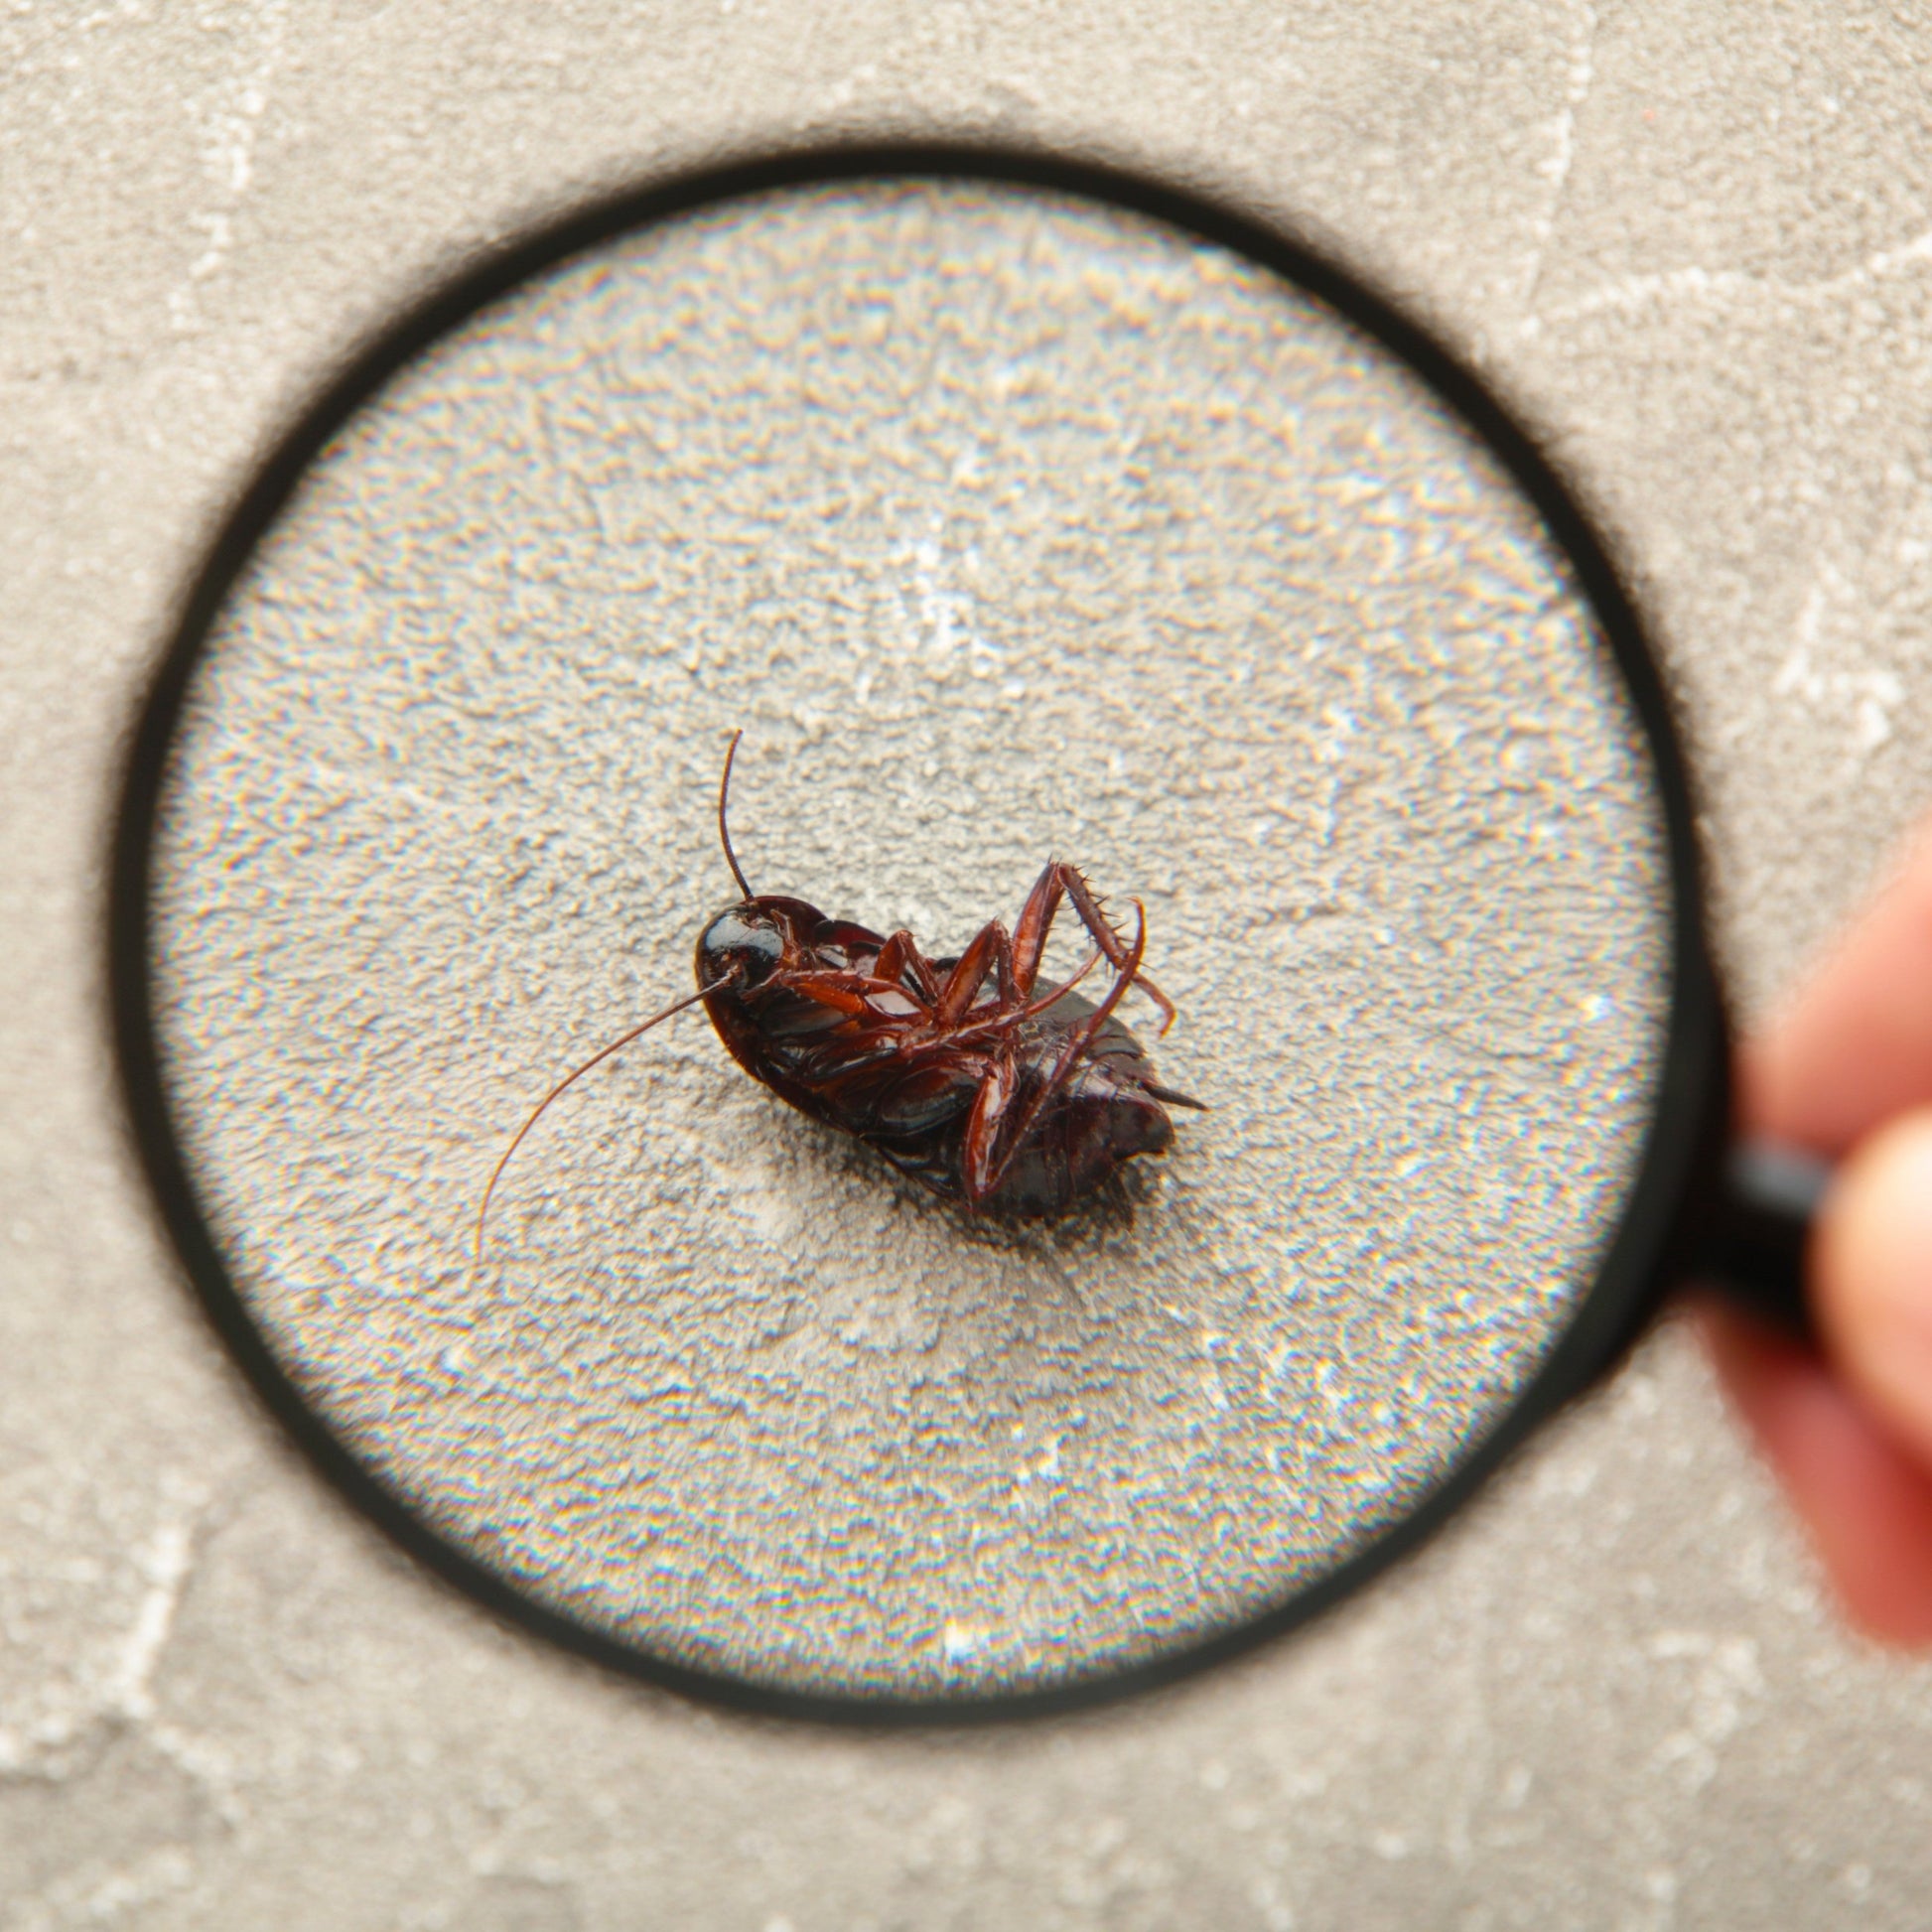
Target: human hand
1846 1071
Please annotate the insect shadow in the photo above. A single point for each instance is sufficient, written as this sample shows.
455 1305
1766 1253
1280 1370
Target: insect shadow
1017 1105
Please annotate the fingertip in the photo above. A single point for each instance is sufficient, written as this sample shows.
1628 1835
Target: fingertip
1872 1275
1853 1047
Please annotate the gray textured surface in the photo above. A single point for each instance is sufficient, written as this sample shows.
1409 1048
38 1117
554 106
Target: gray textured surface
1006 527
1693 240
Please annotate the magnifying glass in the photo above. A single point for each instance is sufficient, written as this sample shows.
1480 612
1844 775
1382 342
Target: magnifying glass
1012 511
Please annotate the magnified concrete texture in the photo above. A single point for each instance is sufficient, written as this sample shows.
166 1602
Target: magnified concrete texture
1002 522
1695 244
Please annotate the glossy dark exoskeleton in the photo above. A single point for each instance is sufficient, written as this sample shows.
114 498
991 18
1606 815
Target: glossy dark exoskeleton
950 1069
956 1070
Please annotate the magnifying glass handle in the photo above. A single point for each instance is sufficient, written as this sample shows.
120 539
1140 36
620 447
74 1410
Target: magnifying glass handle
1755 1245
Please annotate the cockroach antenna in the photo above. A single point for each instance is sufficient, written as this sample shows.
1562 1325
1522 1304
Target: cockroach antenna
724 830
570 1080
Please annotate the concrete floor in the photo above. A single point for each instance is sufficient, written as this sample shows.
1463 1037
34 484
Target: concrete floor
1694 244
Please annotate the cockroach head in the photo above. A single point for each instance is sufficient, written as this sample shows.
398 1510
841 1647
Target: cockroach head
745 944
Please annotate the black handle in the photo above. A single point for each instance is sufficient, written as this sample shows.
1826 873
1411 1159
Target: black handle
1754 1244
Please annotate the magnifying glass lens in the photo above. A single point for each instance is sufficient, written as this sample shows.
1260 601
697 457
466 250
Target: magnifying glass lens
1007 524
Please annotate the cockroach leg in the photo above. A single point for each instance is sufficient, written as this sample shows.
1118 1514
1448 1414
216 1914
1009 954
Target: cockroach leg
1009 1017
900 956
842 992
1036 919
984 1168
990 950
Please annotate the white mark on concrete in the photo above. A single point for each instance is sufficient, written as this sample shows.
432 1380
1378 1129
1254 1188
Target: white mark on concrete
1556 166
121 1692
165 1564
230 127
1725 1679
1867 695
206 1763
842 95
944 619
1716 287
1277 1914
105 1900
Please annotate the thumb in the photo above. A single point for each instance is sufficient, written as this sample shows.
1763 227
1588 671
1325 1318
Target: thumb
1873 1276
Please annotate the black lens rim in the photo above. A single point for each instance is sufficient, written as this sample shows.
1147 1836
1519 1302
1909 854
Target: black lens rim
1682 1151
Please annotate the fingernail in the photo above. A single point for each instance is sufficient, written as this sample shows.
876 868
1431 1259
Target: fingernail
1872 1274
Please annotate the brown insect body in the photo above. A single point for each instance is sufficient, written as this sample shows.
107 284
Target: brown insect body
955 1069
951 1069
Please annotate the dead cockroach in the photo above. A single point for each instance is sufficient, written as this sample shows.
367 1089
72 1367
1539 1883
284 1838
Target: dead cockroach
950 1069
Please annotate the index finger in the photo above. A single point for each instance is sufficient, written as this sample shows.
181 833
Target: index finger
1854 1047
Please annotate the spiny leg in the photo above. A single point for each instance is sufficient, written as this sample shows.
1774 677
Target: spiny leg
1036 919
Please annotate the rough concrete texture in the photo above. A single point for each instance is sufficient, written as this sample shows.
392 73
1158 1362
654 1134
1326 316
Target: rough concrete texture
1693 242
